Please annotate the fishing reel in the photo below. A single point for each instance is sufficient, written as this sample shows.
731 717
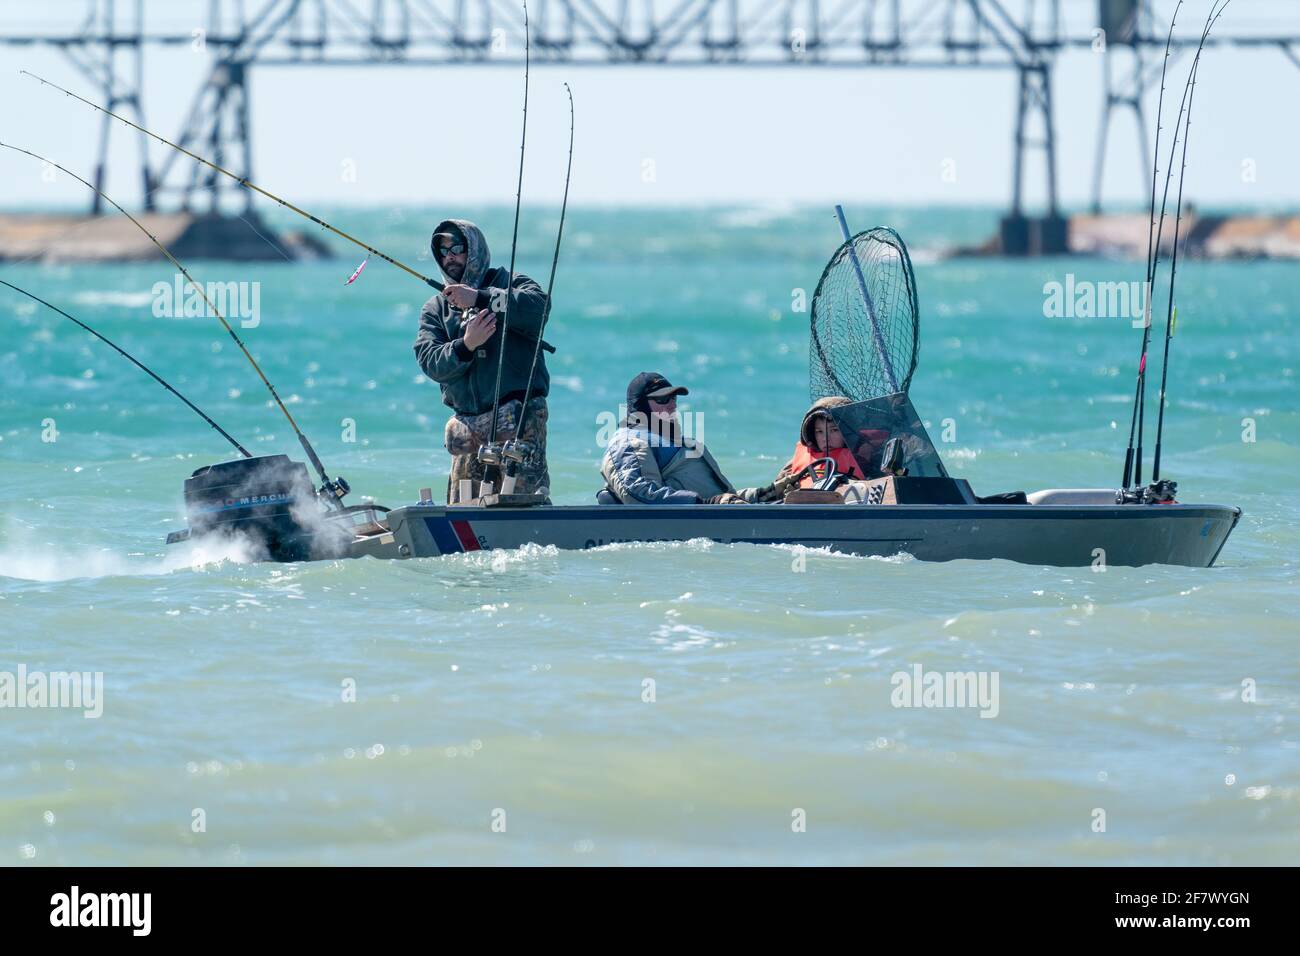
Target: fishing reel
331 492
516 452
1160 492
504 458
507 456
891 458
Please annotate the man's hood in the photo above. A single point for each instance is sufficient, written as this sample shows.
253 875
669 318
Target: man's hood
819 408
477 258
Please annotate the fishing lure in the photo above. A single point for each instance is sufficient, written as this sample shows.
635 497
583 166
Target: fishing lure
360 268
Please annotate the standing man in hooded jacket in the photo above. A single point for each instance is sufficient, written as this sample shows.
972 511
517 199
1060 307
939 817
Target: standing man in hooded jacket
459 345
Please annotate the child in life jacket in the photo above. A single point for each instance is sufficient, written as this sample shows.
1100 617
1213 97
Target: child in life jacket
820 437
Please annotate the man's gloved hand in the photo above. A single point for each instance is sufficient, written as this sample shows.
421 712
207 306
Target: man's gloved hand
763 495
784 483
460 296
481 326
726 498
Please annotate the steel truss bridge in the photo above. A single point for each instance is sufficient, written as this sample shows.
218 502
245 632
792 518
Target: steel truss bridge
107 41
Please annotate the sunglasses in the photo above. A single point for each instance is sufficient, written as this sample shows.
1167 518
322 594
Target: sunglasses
670 400
452 250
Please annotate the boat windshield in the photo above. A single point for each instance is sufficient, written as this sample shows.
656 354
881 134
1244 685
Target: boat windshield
868 425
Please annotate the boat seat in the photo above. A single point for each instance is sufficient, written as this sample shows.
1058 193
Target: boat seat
606 497
1004 498
1072 496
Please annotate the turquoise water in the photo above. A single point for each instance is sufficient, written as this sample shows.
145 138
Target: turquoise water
510 689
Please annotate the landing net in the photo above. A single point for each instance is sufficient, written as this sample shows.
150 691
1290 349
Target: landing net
857 341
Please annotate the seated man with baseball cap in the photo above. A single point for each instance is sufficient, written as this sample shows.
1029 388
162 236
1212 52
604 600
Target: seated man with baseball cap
650 461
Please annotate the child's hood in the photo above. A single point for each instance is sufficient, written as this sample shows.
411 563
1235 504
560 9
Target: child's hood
820 408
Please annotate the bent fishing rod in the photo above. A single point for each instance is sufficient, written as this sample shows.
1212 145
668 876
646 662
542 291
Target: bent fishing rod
243 181
137 363
550 283
1150 279
510 281
1171 309
335 489
248 183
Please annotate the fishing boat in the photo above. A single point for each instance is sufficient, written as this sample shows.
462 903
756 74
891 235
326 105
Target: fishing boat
924 513
1058 528
863 347
911 505
864 343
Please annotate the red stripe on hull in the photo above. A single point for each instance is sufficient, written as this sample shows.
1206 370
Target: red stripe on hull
466 535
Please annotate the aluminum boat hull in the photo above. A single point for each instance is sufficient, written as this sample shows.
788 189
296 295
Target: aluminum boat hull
1058 535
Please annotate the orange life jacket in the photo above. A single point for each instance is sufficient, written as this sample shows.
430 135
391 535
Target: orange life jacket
845 463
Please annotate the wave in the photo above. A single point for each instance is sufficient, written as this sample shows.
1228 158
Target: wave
25 562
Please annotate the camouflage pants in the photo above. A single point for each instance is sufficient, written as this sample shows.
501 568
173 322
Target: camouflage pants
466 434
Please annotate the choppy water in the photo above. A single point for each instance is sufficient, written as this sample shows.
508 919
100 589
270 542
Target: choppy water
519 685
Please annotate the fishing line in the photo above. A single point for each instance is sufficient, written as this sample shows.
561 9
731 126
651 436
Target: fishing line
514 242
550 283
137 363
335 489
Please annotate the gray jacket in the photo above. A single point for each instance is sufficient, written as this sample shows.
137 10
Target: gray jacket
467 378
633 473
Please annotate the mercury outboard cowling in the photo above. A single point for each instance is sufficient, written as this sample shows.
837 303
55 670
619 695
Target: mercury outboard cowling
257 498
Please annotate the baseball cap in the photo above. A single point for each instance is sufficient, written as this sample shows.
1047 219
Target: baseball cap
649 385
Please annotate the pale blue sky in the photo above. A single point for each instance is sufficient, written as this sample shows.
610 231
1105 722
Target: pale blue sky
427 135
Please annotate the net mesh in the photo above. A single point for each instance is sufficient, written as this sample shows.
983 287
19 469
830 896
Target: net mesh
857 341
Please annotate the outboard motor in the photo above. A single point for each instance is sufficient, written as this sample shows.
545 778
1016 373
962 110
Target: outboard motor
268 499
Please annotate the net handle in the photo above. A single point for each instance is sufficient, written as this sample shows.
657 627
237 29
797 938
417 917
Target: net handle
866 297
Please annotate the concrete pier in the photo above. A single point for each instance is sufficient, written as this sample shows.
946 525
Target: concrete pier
1124 236
53 237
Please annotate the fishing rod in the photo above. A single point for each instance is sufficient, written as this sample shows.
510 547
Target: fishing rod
334 489
137 363
1171 310
1140 399
1151 226
243 181
489 452
1153 271
550 283
248 183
